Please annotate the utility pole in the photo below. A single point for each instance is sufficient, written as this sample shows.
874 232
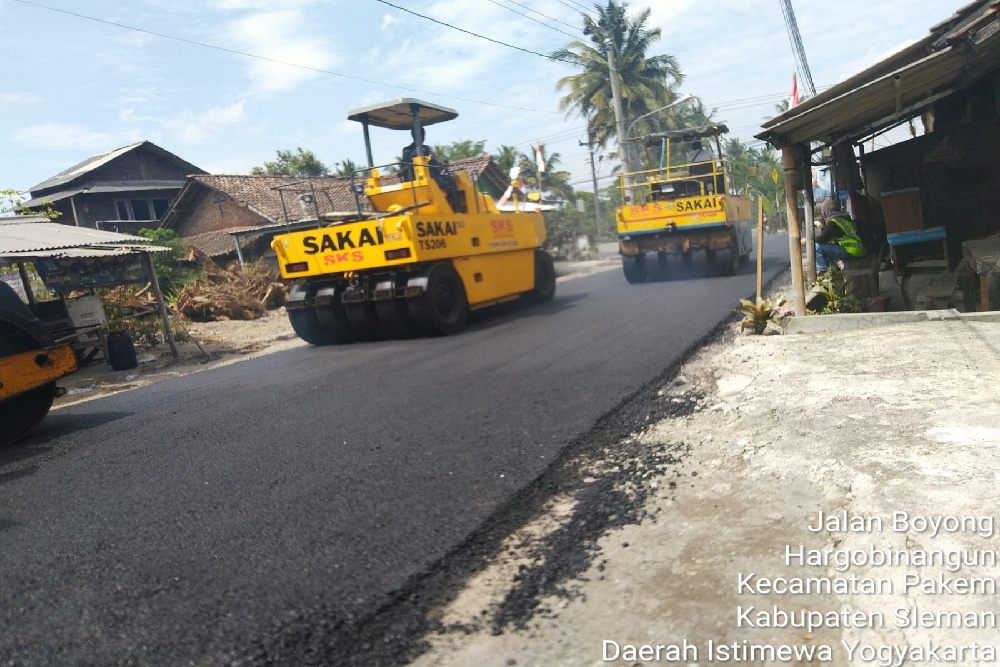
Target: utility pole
603 35
593 174
616 96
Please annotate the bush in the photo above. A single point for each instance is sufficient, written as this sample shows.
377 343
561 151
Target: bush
172 268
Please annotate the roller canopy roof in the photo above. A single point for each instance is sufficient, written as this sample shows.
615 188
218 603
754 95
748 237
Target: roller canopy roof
398 114
687 134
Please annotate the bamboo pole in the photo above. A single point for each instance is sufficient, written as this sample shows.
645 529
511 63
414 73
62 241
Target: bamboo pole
808 212
760 248
789 163
161 306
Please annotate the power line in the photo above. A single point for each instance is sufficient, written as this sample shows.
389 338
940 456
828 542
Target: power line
276 61
469 32
578 7
528 9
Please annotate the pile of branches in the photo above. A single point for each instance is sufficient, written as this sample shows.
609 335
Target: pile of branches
225 294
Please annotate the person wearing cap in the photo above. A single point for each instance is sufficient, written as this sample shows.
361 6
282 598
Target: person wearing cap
839 239
437 169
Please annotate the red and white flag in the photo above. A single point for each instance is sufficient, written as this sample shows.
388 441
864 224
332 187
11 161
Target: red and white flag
793 101
539 158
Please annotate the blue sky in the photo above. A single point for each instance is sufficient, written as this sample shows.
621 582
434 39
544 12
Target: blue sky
72 87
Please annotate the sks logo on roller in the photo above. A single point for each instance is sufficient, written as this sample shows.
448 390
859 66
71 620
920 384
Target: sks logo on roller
425 229
352 256
502 227
343 240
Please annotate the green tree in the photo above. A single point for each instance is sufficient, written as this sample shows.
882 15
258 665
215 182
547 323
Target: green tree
10 200
564 227
645 83
171 270
751 172
298 163
346 167
554 180
458 150
506 157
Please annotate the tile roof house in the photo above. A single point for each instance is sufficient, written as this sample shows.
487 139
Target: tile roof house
227 215
119 190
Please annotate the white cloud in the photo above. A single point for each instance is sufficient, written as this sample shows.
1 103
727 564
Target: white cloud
20 98
61 136
388 20
285 39
192 127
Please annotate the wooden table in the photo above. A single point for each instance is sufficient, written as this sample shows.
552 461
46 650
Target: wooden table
918 236
984 256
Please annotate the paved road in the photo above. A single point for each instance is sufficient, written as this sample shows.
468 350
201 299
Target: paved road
184 522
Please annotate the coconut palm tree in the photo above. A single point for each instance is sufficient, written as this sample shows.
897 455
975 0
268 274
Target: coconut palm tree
554 180
346 167
645 83
506 157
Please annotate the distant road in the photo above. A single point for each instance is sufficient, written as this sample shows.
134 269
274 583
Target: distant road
187 521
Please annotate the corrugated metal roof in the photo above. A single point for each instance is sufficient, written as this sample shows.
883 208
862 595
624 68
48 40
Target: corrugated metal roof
101 251
24 219
95 161
105 187
957 53
45 236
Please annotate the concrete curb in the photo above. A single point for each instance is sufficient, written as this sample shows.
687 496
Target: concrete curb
847 321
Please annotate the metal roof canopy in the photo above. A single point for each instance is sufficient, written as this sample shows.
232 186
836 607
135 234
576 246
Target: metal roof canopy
686 134
957 54
44 237
398 114
49 239
104 188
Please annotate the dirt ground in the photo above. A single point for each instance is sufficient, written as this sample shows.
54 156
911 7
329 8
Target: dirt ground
895 425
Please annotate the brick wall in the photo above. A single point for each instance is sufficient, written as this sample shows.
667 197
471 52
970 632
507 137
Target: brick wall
214 211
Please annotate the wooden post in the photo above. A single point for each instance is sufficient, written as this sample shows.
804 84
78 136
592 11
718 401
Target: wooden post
760 248
26 281
161 306
789 162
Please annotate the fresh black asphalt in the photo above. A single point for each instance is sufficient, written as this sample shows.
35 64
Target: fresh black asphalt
198 519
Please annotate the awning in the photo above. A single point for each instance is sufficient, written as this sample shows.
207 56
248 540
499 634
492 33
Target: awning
958 54
93 251
41 237
105 188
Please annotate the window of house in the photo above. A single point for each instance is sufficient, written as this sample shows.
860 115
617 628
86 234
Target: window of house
141 209
160 207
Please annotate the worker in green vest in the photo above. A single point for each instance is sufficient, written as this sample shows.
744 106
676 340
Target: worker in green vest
839 240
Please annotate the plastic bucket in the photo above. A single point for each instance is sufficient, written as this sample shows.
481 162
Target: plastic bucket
875 304
121 351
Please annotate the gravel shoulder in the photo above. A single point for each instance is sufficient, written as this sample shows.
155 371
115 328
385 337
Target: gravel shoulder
894 425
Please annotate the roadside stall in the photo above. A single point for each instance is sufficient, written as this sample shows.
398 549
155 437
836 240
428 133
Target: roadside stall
74 262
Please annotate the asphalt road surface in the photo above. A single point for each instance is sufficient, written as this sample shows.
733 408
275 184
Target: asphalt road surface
197 520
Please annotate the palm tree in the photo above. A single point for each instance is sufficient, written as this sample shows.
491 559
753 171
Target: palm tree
506 157
644 83
554 180
346 167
